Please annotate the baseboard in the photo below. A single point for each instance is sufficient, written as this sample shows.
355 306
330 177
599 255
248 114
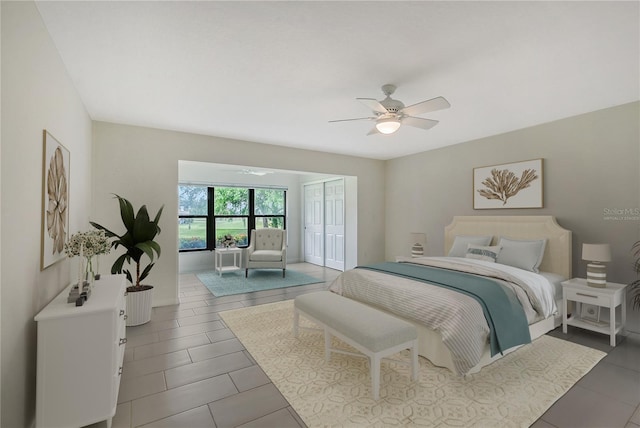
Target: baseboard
165 302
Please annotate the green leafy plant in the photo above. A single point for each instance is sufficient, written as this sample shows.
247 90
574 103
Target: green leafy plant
634 287
138 240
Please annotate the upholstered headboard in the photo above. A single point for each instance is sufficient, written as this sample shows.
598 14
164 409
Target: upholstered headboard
557 255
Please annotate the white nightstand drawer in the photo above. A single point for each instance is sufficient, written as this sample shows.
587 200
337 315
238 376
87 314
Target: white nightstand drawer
586 296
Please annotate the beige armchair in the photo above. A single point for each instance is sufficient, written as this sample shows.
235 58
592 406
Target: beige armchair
267 250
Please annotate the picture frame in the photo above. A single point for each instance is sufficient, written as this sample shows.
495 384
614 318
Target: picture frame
55 200
509 185
590 313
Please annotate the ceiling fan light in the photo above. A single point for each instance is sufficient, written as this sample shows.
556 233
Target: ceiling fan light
388 126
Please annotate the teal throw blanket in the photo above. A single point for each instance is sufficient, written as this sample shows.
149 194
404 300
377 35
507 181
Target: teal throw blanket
503 311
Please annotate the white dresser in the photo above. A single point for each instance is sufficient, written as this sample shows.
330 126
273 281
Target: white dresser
80 354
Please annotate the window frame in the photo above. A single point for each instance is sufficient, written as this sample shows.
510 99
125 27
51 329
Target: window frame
194 216
251 217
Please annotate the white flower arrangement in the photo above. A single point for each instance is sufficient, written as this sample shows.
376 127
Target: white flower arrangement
228 241
90 243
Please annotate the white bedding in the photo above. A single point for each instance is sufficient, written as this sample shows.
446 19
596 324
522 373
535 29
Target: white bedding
458 318
556 282
538 288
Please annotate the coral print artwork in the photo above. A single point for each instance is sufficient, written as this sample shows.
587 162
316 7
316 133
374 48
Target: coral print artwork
55 200
514 185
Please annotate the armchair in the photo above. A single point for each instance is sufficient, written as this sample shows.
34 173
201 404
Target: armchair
267 250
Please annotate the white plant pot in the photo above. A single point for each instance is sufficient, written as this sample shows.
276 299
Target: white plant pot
139 307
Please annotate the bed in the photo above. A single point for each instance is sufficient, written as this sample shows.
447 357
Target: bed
436 343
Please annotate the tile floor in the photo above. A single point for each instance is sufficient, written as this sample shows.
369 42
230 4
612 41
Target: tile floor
186 369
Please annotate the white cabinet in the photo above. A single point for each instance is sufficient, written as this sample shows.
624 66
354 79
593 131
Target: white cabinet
80 354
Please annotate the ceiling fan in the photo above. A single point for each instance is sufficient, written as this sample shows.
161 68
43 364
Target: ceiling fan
389 114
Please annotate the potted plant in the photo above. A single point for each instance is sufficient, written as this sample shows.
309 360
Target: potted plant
138 241
634 287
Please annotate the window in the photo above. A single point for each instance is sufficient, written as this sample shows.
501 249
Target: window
231 214
207 214
192 217
269 208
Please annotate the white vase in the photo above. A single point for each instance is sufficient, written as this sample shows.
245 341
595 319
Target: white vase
139 307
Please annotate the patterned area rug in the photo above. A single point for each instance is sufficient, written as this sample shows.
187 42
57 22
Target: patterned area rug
512 392
259 280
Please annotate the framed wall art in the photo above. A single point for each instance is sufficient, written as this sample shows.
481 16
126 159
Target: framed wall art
509 185
55 200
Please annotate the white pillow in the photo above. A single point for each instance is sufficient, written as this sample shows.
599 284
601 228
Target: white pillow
523 254
461 242
489 254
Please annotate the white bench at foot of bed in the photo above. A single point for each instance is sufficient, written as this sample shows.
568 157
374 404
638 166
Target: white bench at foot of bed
374 333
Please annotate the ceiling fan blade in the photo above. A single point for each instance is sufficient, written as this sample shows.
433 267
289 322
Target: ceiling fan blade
373 104
347 120
373 131
433 104
419 122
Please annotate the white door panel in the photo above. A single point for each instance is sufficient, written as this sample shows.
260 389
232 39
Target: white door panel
334 224
313 224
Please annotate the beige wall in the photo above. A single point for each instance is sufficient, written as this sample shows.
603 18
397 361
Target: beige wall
590 164
141 164
37 94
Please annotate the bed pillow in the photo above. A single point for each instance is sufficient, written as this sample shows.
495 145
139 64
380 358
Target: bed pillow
461 242
478 252
523 254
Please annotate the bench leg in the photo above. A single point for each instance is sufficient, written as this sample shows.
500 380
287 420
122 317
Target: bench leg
327 345
296 322
415 363
375 376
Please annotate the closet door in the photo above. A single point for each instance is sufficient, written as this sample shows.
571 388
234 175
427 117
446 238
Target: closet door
314 224
334 224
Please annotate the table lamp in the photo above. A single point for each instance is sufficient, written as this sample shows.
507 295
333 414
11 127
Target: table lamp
596 254
419 241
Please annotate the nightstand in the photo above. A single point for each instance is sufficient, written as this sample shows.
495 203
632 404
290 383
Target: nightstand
589 300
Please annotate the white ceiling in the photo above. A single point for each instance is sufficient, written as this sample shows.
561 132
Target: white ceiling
277 72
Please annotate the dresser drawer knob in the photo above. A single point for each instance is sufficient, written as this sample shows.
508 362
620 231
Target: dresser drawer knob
120 371
121 312
126 316
123 340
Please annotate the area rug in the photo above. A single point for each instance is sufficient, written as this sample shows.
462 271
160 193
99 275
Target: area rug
259 280
512 392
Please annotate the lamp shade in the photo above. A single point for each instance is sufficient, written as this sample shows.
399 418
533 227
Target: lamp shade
596 252
388 126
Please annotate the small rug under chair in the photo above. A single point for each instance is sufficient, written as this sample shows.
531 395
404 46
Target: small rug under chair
259 280
512 392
